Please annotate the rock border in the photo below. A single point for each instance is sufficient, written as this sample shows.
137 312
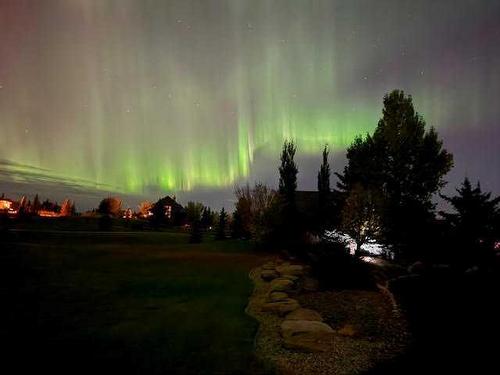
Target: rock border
294 339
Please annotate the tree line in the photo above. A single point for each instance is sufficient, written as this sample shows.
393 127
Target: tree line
386 192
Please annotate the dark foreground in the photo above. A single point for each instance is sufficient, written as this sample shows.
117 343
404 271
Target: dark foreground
125 303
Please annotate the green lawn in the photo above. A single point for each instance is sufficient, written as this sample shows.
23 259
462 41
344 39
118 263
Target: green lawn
126 303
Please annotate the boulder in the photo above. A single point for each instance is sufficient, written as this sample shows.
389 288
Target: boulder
282 285
304 314
310 284
281 307
305 335
269 266
347 330
290 277
277 296
290 269
268 275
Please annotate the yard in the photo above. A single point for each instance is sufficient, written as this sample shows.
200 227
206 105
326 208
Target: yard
126 303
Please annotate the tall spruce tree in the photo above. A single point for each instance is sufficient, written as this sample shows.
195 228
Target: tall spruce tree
289 231
324 191
288 173
221 227
475 222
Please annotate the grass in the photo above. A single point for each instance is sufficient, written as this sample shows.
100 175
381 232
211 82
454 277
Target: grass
128 303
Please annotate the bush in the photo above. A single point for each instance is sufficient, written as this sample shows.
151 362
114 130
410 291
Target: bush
336 268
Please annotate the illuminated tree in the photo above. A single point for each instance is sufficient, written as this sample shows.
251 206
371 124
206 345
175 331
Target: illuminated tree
66 208
359 217
145 208
111 206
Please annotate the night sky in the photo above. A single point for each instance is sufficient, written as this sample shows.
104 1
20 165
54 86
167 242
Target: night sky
150 97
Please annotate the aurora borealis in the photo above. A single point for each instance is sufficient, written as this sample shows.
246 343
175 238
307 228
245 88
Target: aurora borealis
136 96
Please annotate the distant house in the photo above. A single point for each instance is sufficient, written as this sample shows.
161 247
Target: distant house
174 211
172 208
48 213
8 206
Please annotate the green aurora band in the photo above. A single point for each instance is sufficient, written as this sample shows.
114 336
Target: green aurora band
176 96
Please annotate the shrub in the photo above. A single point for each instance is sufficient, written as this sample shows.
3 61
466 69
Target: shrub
336 268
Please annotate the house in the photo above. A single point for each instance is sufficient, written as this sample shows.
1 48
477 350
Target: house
8 206
174 211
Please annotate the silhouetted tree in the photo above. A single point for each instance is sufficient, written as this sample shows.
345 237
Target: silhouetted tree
324 192
474 224
221 227
36 204
242 216
288 173
265 214
207 218
257 213
194 211
111 206
406 164
290 230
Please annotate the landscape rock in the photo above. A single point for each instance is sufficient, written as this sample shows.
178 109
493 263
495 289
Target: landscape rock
292 269
268 275
305 335
281 307
277 296
310 284
304 314
269 266
290 277
282 285
347 330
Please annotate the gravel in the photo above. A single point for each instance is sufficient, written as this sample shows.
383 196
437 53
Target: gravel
379 334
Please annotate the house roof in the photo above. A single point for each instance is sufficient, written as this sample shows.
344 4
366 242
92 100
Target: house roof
168 201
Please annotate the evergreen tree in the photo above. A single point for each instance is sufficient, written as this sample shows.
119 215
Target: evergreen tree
474 224
403 163
221 228
194 211
324 192
290 230
242 216
207 218
36 204
288 173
